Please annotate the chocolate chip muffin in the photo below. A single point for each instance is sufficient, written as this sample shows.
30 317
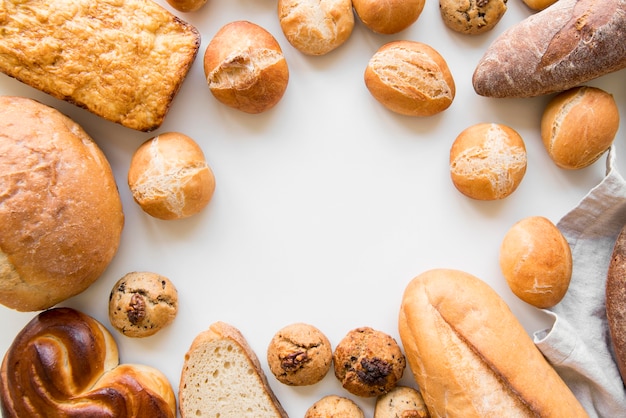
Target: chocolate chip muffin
471 17
401 401
142 303
368 362
334 406
299 355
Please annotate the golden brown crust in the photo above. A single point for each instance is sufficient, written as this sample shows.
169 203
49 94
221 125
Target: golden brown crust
245 67
472 17
59 228
388 17
616 301
104 56
578 126
65 363
401 402
410 78
334 406
471 357
187 6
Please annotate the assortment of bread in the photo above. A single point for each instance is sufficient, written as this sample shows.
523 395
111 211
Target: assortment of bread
468 354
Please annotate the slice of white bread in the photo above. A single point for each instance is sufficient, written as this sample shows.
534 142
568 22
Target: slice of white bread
222 377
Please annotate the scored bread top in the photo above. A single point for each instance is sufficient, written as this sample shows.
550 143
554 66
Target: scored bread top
122 60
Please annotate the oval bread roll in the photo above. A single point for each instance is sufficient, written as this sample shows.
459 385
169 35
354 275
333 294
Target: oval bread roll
245 67
388 17
410 78
471 357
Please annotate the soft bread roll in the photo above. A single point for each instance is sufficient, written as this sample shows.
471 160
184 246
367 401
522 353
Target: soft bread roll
245 67
471 357
388 17
65 364
578 126
410 78
59 229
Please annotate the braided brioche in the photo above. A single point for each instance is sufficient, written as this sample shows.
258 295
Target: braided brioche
65 364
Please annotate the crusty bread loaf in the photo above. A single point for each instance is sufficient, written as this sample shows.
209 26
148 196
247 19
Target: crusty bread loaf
222 376
64 363
616 301
59 229
471 357
122 60
562 46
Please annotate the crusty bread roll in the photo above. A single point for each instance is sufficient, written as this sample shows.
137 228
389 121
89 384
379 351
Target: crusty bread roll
222 376
487 161
186 6
59 229
122 60
471 357
245 67
316 27
536 261
388 17
538 4
334 406
616 301
64 363
410 78
579 125
169 177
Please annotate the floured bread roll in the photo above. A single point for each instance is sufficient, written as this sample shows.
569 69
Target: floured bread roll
245 67
66 364
59 227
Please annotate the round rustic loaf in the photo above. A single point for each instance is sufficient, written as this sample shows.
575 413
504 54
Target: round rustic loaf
59 227
578 126
388 17
410 78
487 161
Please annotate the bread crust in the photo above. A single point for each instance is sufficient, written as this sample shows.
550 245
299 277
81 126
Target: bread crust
388 17
616 301
104 56
471 357
59 229
560 47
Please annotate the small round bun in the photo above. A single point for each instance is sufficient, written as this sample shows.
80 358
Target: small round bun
316 28
142 303
299 355
401 401
536 261
539 4
334 406
472 17
245 67
186 6
388 17
410 78
488 161
368 362
169 177
61 215
578 126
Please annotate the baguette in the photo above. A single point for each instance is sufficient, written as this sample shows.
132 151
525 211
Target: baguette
222 377
122 60
471 357
616 301
560 47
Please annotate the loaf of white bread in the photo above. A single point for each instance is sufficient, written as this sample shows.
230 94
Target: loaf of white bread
471 357
122 60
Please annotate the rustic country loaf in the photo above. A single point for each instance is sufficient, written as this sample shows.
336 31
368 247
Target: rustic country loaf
616 301
122 60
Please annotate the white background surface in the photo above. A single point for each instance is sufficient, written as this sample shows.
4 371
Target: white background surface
327 205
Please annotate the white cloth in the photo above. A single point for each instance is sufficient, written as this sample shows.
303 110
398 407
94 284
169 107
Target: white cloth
578 343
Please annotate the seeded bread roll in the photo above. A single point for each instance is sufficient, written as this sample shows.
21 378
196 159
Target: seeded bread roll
59 227
245 67
410 78
578 126
388 17
401 402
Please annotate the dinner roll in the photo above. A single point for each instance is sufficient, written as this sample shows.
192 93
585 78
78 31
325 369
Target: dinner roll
316 27
245 67
410 78
169 177
578 126
536 261
388 17
487 161
186 5
61 215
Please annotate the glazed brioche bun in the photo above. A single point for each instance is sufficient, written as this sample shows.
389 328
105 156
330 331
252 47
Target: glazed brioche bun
60 211
578 126
410 78
169 177
245 67
388 17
